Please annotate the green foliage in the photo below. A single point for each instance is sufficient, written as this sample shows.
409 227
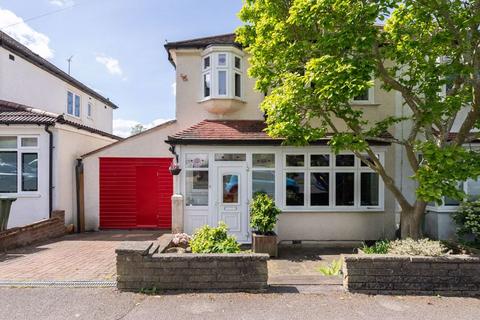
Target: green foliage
467 219
263 214
421 247
214 240
314 57
333 269
380 247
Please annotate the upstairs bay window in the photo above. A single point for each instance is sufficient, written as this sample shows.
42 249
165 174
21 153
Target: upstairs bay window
222 74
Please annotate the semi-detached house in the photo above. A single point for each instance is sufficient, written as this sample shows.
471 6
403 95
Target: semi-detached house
48 119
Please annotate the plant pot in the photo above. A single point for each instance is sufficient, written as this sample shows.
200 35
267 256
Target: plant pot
265 244
175 171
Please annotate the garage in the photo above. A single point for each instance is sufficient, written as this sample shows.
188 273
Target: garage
135 193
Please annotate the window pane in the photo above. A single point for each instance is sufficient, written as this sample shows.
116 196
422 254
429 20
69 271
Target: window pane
230 188
77 106
230 157
263 182
29 142
222 59
238 85
319 160
473 189
344 188
8 171
295 188
70 103
295 160
206 85
369 189
263 160
238 62
364 96
319 189
206 62
8 142
345 160
222 82
29 172
196 161
196 188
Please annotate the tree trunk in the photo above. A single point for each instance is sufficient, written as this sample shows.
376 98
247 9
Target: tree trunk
411 221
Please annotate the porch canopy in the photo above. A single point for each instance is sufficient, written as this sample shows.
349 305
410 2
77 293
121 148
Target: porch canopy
241 132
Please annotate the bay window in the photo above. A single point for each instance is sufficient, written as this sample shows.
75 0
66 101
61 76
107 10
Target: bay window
18 164
222 75
324 181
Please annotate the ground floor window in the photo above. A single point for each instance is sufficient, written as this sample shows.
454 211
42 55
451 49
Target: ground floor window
315 181
196 180
263 174
18 164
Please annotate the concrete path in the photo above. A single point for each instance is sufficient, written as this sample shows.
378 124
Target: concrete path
108 304
87 256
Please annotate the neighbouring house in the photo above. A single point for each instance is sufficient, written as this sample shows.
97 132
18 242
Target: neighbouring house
48 119
225 157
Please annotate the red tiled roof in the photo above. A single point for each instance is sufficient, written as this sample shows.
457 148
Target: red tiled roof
15 113
239 132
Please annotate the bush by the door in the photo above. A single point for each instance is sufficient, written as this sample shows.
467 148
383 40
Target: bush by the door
214 240
263 214
467 219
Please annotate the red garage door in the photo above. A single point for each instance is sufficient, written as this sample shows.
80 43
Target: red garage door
135 193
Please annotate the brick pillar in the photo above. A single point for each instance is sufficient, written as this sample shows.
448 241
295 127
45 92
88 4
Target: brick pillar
177 213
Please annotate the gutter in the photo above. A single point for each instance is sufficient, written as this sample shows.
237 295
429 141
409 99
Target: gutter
50 170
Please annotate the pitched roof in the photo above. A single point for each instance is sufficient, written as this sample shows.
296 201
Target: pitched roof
236 132
201 43
225 39
15 113
17 48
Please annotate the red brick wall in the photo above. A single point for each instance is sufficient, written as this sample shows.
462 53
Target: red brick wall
36 232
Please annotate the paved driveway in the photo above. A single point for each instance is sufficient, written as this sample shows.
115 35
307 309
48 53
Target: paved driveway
87 256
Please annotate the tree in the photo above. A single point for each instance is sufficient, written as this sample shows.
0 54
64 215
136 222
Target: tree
313 57
137 129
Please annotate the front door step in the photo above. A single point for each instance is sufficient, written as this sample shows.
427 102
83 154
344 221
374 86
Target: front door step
304 280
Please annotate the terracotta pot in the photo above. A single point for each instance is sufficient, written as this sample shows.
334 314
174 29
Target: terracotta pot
265 244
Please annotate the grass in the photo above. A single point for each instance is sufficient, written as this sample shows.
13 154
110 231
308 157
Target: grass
333 269
380 247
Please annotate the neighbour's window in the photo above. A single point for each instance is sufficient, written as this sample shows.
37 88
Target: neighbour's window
89 110
196 179
15 151
263 174
329 181
73 104
364 96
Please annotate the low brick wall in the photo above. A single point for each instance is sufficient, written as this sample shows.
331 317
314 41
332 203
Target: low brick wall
400 275
35 232
141 265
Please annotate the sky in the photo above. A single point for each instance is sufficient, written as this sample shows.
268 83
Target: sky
117 45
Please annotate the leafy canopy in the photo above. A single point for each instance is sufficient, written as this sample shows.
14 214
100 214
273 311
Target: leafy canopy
313 57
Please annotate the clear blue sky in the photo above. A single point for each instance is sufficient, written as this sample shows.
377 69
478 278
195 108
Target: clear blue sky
132 32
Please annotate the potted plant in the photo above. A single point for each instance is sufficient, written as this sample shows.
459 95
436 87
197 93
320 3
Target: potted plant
174 168
263 218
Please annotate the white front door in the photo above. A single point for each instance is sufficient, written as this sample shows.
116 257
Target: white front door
232 200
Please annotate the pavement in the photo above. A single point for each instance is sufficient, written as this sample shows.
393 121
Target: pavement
105 304
88 256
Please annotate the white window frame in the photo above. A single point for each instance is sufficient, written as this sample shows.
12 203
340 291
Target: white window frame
332 169
20 151
230 70
74 94
370 100
207 169
90 110
264 169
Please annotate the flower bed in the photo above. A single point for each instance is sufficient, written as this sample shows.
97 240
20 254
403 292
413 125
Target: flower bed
420 268
146 266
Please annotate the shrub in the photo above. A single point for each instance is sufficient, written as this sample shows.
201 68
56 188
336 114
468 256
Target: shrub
422 247
380 247
214 240
333 269
263 214
181 240
467 219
